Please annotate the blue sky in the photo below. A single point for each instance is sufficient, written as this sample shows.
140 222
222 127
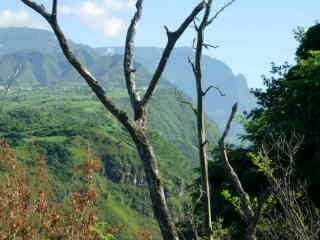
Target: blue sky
251 33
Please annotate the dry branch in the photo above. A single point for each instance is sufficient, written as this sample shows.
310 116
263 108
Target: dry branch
128 57
246 206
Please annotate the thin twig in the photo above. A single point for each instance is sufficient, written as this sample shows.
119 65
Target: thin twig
217 14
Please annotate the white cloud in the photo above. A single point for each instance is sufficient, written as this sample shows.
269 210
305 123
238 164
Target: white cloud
119 4
100 16
9 18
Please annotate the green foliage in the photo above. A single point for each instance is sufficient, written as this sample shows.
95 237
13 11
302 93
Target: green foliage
62 124
309 41
100 230
288 110
263 163
233 200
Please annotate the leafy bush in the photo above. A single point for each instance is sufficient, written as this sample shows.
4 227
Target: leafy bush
29 208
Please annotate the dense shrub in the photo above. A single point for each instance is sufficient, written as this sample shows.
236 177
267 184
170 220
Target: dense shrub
29 208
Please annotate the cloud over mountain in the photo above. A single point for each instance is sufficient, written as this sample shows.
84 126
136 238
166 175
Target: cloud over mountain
9 18
102 16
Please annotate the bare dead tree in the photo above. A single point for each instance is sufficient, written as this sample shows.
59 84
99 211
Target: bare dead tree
199 110
298 215
247 213
137 127
200 115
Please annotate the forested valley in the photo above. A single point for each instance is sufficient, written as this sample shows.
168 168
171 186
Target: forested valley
126 143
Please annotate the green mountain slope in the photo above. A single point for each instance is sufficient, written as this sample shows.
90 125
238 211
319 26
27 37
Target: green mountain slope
106 64
44 70
47 68
49 110
62 123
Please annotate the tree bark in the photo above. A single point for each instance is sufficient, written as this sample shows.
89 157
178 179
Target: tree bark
201 126
251 231
157 195
249 215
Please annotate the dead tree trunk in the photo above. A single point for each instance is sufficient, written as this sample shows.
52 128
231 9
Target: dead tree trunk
137 127
251 218
201 125
155 184
200 109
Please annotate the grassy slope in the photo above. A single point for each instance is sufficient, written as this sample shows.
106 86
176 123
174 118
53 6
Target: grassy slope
62 124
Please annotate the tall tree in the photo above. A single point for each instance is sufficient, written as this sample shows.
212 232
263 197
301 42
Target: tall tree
249 215
199 111
289 105
200 115
138 126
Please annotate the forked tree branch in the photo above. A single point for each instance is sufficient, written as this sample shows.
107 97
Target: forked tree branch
128 57
91 81
173 37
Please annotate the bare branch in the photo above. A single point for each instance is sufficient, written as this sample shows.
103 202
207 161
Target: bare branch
191 106
38 8
173 37
182 100
217 14
207 45
236 183
168 32
91 81
138 128
195 25
222 94
228 126
128 56
193 66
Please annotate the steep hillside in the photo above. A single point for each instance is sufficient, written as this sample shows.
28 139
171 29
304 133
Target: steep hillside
64 124
49 110
42 67
39 69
